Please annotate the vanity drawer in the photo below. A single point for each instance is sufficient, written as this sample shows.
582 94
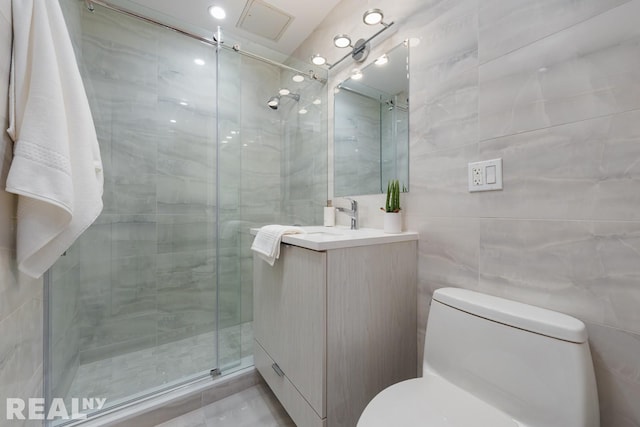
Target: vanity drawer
297 407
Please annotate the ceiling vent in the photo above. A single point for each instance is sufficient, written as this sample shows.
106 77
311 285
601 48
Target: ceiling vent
264 20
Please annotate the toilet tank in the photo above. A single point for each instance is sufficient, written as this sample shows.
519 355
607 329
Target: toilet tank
531 363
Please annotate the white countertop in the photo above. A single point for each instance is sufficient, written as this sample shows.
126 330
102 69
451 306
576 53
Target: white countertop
319 238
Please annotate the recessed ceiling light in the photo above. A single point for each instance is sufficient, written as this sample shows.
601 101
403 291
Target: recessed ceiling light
284 91
199 61
298 78
317 101
217 12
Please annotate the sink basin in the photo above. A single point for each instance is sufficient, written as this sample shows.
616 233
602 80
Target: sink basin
321 238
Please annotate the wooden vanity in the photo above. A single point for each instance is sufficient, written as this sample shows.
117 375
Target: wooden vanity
335 321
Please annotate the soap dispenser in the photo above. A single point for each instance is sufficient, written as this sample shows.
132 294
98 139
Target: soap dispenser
329 215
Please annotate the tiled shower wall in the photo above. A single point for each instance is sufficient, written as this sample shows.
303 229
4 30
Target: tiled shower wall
145 273
21 297
552 87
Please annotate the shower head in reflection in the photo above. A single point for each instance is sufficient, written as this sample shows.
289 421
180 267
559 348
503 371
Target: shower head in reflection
274 101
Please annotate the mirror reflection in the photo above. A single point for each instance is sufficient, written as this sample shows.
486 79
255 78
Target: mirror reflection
371 126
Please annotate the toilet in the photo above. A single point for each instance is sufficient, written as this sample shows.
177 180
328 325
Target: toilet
492 362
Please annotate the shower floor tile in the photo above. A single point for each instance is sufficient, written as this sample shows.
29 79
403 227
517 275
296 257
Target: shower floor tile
253 407
123 377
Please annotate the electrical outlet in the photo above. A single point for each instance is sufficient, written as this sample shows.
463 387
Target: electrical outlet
485 175
476 173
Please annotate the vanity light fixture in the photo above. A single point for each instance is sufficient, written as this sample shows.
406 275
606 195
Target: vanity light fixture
382 60
359 50
318 59
342 41
374 17
217 12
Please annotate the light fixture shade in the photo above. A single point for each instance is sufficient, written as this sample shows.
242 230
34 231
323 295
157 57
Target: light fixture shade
217 12
318 59
342 41
373 16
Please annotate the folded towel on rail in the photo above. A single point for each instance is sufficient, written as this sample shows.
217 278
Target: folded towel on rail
56 170
267 241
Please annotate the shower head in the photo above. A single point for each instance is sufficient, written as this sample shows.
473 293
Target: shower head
274 101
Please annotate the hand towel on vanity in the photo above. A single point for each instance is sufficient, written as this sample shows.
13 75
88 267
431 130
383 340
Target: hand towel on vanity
56 169
267 241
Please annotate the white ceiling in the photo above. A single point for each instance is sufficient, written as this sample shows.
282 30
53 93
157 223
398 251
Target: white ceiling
307 15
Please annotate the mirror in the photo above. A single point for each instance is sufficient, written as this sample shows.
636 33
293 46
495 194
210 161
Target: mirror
371 127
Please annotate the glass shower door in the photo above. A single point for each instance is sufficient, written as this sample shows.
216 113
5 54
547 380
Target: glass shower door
133 304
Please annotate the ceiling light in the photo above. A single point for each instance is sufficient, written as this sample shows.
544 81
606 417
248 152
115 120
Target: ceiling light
356 75
217 12
373 16
303 111
298 78
342 40
318 59
199 61
382 60
284 91
317 101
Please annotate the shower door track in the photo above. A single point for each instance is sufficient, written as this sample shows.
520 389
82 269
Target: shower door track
212 42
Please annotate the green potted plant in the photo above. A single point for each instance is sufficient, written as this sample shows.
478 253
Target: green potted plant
392 209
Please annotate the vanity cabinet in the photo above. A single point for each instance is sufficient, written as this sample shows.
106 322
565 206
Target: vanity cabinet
333 328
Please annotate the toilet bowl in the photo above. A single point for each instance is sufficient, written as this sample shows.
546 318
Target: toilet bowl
493 362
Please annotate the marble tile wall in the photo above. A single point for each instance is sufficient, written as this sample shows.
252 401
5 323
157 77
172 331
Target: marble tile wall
21 298
551 87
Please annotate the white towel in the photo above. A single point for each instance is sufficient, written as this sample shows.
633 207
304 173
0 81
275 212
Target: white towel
56 169
267 241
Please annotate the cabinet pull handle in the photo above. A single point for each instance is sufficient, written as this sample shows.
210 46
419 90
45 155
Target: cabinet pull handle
278 370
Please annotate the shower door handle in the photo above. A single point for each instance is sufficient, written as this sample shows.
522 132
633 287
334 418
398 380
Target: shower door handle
278 370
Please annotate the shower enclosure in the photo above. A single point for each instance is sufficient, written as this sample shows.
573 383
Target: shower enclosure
158 291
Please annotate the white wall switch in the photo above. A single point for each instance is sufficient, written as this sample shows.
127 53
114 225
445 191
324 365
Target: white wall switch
485 175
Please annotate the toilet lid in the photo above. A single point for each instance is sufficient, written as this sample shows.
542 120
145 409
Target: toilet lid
430 402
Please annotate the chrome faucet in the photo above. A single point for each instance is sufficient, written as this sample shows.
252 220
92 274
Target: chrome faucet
353 213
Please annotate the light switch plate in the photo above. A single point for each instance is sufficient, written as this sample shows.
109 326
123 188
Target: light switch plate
485 175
